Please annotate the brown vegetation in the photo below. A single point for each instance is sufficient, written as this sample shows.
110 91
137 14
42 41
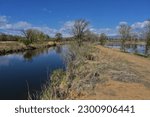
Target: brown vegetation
15 46
100 73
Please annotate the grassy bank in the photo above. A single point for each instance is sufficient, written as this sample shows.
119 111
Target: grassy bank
95 72
15 46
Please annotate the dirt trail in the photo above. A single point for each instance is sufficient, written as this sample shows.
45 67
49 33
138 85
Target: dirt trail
116 89
139 64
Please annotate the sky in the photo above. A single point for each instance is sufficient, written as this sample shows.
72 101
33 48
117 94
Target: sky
51 16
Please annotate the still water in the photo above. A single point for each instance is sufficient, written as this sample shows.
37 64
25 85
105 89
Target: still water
28 71
131 48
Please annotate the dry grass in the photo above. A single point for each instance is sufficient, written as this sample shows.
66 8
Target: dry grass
103 73
14 46
11 45
115 90
42 45
52 89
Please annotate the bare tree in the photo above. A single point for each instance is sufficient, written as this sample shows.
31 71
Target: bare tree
125 31
33 35
30 34
79 30
134 37
147 36
91 36
58 36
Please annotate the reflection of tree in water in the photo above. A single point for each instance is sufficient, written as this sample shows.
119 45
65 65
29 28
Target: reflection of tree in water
58 49
123 47
29 55
126 46
135 48
147 35
132 47
147 50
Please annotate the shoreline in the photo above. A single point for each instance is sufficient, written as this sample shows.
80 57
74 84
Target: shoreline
20 47
100 73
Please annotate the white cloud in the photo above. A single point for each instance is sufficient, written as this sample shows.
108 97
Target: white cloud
136 25
139 25
5 25
14 28
138 28
21 25
123 22
66 28
46 30
107 31
69 24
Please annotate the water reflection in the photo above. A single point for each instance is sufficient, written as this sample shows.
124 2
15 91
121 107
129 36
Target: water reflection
30 54
132 48
33 66
58 49
147 50
6 60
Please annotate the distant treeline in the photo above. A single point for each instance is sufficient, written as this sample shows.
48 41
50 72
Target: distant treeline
5 37
32 35
80 32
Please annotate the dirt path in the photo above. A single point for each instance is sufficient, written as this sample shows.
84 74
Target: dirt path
136 86
139 64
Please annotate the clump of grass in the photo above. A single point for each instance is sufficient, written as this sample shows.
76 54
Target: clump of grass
125 76
52 89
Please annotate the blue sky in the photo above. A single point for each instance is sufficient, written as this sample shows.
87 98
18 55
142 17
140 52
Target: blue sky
55 15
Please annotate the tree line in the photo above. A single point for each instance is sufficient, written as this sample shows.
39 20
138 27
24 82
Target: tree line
30 36
80 32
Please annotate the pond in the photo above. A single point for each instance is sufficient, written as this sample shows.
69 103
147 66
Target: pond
131 48
27 71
